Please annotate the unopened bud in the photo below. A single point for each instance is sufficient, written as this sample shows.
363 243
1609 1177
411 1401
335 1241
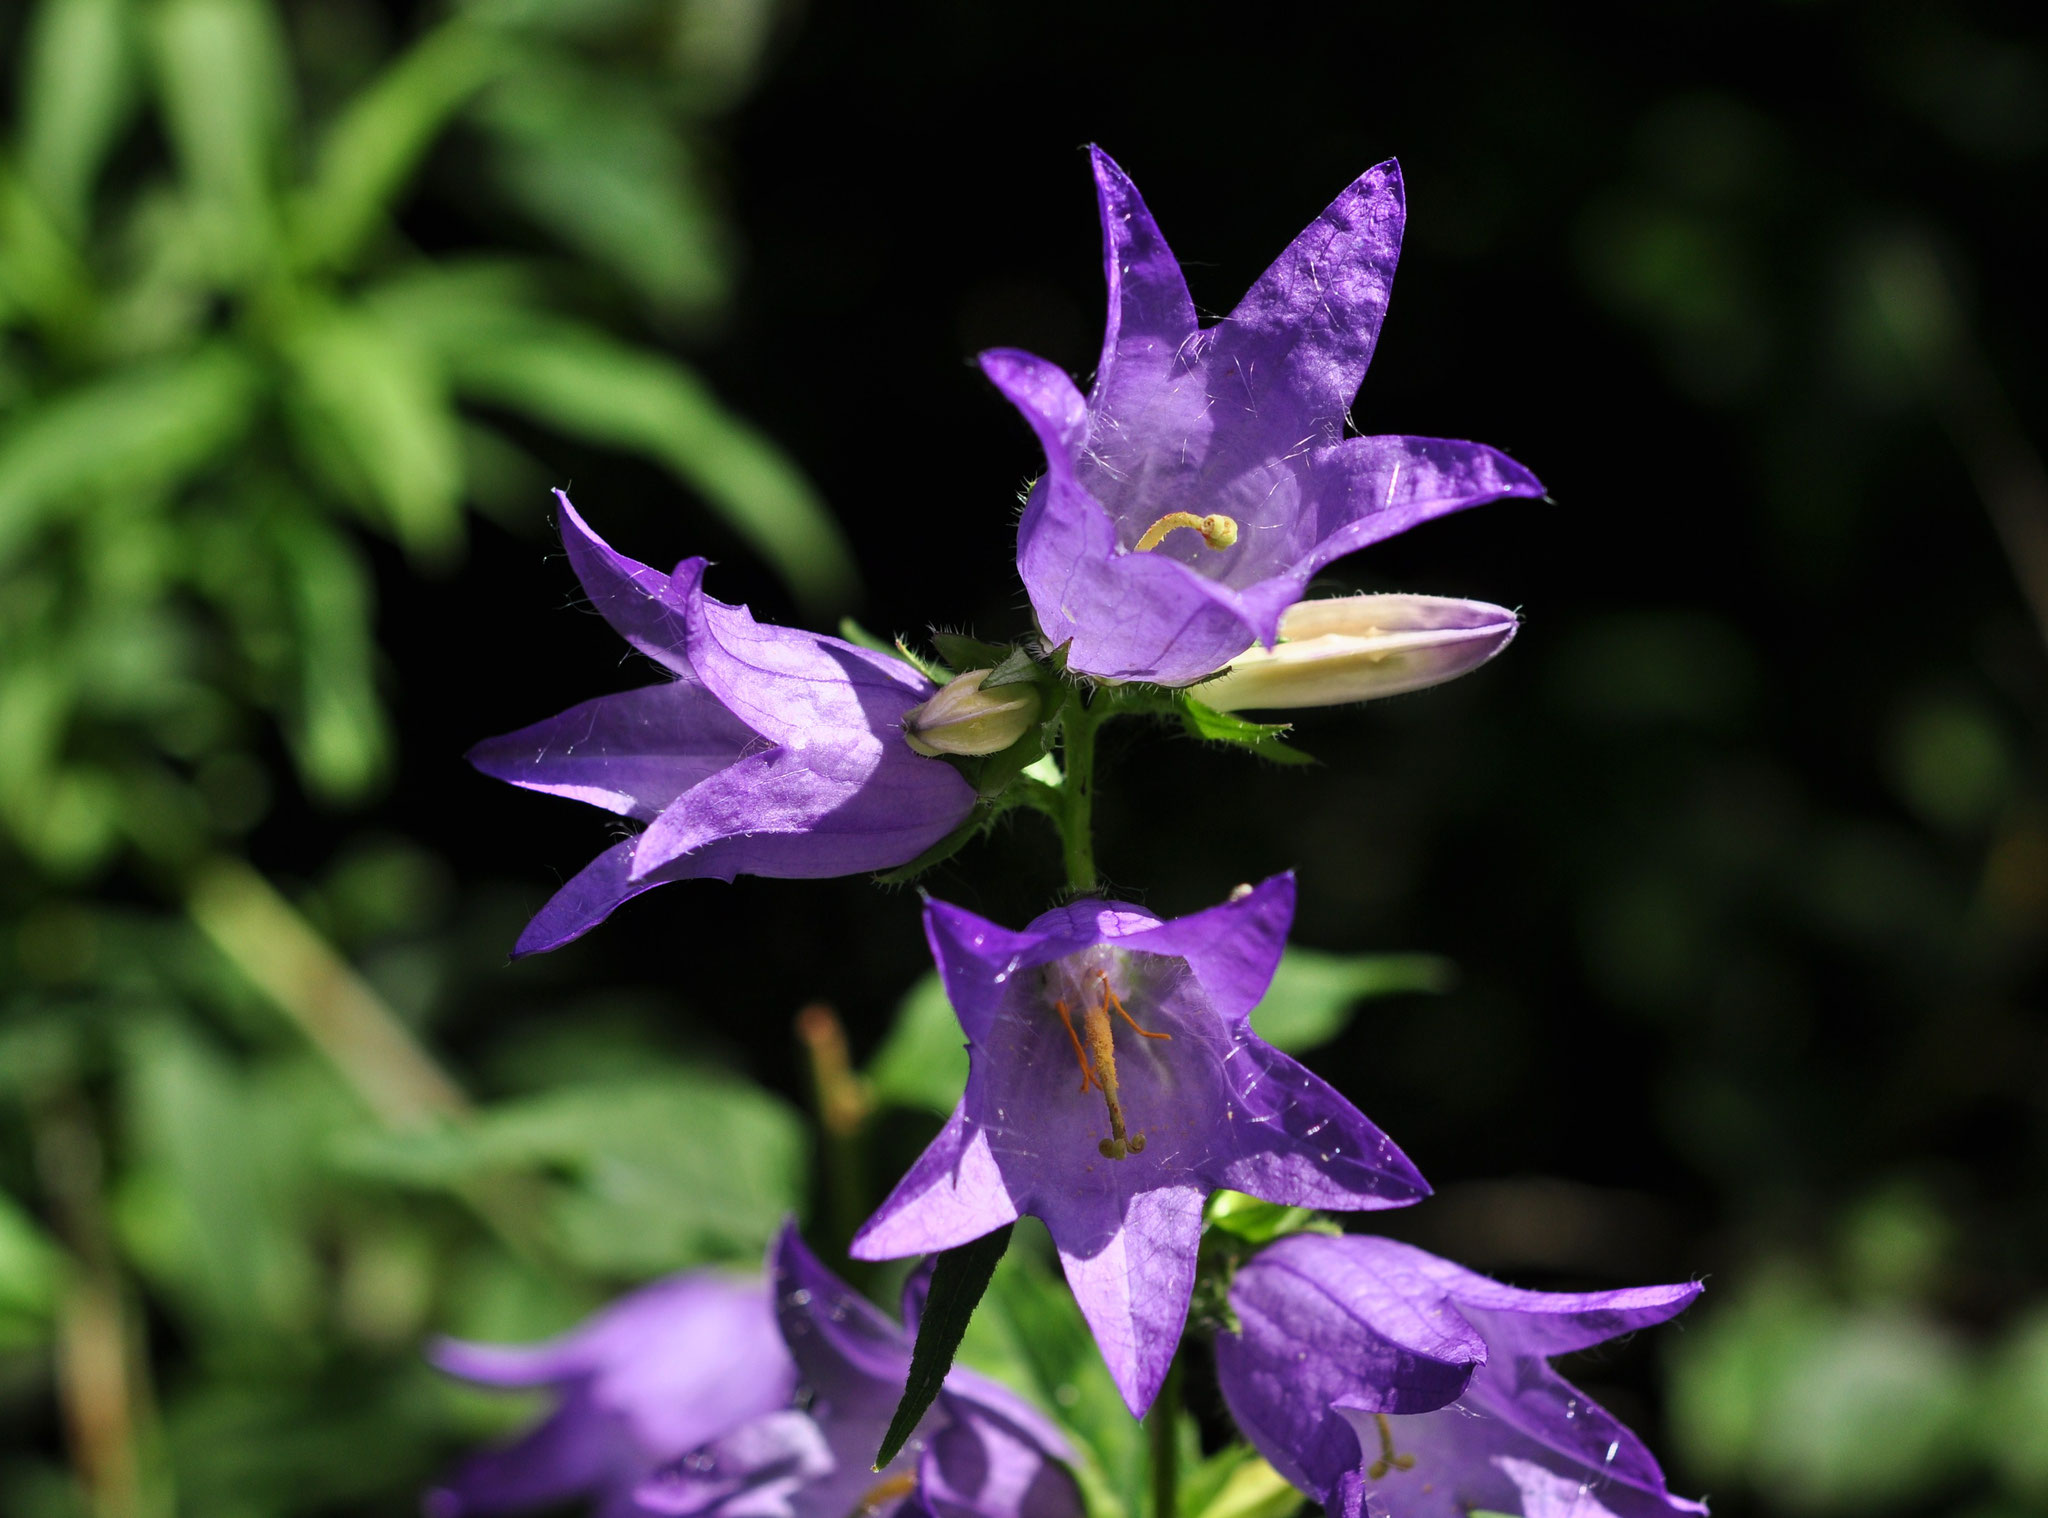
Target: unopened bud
1358 647
965 719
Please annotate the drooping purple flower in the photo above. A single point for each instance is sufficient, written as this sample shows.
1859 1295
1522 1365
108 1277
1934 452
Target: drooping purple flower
770 751
980 1452
1382 1379
655 1374
1113 1083
1191 495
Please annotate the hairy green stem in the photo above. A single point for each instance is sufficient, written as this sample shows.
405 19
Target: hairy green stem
1077 758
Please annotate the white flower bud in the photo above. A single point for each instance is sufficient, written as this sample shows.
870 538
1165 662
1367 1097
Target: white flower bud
1358 647
964 719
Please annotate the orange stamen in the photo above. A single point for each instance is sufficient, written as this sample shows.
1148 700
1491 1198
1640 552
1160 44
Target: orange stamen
1087 1079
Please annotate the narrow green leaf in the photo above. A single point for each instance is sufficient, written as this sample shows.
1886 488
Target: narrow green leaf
336 725
585 384
78 89
599 164
923 1061
30 1266
372 148
959 1280
148 424
223 74
387 403
1314 994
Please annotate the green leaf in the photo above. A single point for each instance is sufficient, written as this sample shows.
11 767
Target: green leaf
662 1171
597 162
923 1061
386 402
30 1266
222 71
1314 994
78 89
959 1281
335 723
1236 1483
148 425
585 384
1258 1222
970 653
371 150
1262 738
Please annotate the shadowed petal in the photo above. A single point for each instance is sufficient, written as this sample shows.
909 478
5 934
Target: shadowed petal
629 595
1132 1277
632 753
599 889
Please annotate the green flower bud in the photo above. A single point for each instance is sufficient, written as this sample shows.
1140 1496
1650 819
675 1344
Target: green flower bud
965 719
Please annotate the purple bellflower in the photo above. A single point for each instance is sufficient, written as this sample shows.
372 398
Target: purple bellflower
981 1452
1190 496
1384 1380
650 1377
1113 1082
770 751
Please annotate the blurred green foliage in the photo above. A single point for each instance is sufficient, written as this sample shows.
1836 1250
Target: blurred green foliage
226 370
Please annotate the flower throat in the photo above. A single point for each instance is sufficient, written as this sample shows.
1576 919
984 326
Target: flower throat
1097 999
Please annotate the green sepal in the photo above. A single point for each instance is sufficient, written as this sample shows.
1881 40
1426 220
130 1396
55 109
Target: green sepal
1258 1222
978 822
1263 738
1016 668
959 1280
860 637
963 652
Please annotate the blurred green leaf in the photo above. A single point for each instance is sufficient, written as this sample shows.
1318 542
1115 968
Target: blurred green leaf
1314 994
1256 1221
923 1061
662 1172
223 75
40 272
149 424
30 1269
373 147
2014 1408
587 385
1820 1406
338 731
1236 1483
214 1209
387 402
598 163
78 88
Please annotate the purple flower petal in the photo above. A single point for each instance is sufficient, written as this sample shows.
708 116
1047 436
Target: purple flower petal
632 597
1113 1081
1244 420
1344 1344
632 753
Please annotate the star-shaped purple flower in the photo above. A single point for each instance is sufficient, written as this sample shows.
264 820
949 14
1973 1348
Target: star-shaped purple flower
1188 499
980 1452
771 751
1382 1379
1113 1082
650 1377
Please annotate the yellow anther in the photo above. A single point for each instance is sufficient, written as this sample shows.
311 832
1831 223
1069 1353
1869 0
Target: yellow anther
884 1492
1388 1460
1217 530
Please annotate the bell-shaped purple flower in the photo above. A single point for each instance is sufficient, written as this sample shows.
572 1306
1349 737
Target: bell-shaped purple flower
655 1374
1113 1082
1190 496
980 1452
1381 1379
771 751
